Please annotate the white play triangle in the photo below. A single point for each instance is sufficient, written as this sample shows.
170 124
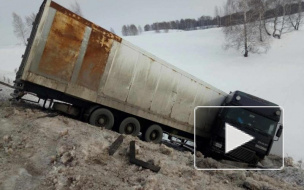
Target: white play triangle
235 138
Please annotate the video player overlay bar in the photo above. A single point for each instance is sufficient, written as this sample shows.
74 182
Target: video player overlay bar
238 137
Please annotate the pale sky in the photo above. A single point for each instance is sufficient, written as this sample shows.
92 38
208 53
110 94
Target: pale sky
111 13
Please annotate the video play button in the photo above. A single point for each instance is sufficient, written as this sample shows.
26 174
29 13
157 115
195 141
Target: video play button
235 138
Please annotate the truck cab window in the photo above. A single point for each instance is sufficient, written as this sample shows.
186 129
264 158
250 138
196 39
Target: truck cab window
244 117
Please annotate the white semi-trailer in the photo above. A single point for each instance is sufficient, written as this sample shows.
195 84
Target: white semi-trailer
109 82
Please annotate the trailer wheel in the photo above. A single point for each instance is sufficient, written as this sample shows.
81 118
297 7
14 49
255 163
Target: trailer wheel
130 126
154 134
102 118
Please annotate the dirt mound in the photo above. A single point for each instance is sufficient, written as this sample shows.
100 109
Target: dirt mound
40 152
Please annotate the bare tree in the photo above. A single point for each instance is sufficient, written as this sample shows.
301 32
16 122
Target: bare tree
243 5
261 6
124 30
133 30
283 18
147 27
279 14
276 14
218 13
19 28
296 19
29 20
246 36
75 7
265 7
282 11
300 14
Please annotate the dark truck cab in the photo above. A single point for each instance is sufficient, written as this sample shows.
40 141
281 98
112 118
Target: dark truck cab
261 123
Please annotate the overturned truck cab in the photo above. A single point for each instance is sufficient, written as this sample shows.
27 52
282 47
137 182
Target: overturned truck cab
257 117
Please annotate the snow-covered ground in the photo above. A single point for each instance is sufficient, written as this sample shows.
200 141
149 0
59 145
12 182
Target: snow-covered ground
40 151
276 76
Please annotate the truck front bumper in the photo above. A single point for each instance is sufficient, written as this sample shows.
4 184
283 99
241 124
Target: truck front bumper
241 154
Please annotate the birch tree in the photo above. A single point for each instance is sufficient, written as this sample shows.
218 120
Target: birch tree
20 30
29 20
261 6
282 12
217 15
124 30
297 19
245 34
284 5
276 14
265 6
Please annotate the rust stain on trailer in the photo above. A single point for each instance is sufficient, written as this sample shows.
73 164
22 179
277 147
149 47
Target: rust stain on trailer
95 60
62 47
86 22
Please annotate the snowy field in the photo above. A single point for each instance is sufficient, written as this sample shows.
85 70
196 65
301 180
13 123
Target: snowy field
276 76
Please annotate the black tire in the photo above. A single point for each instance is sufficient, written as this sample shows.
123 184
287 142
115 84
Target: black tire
102 118
129 126
154 134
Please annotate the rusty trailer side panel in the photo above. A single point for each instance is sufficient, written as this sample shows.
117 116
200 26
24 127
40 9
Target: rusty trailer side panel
95 59
62 47
73 55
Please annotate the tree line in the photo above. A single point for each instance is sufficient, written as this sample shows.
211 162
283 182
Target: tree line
131 30
182 24
248 25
